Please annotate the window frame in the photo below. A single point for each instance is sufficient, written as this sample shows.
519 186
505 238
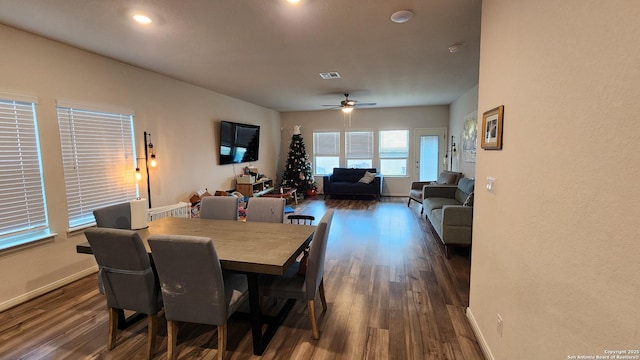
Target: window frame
99 159
326 152
385 153
363 150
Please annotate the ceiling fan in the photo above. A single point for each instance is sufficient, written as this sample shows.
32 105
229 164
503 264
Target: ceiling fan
347 105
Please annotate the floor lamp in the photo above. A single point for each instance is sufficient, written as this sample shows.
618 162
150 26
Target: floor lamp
453 152
149 159
450 154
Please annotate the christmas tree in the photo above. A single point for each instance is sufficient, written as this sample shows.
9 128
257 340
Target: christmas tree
297 171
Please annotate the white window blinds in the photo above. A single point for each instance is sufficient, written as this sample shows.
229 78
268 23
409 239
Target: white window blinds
326 151
359 144
22 201
394 152
98 159
326 143
394 143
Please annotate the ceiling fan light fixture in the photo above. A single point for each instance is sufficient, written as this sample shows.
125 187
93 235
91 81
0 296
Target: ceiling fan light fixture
142 19
401 16
347 109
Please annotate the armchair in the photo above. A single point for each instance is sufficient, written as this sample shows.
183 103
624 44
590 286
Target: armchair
416 192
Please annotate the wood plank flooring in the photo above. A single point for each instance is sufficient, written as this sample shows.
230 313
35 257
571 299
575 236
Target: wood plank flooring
391 294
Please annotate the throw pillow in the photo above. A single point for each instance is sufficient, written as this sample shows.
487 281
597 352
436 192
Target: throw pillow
367 178
469 200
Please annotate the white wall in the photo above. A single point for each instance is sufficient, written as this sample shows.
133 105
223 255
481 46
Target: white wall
465 107
364 119
183 120
555 250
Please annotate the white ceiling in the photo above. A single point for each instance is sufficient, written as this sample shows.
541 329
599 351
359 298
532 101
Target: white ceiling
269 53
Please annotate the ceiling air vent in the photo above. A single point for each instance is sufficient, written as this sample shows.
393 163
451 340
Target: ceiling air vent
330 75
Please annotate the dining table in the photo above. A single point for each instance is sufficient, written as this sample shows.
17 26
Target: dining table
252 248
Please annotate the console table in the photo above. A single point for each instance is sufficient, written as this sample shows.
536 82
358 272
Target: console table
258 188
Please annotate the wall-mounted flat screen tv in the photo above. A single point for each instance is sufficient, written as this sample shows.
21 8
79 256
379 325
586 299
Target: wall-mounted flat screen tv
238 142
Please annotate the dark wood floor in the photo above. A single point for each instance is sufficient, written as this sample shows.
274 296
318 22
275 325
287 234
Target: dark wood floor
391 294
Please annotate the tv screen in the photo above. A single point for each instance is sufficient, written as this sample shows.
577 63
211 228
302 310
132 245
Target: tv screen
238 142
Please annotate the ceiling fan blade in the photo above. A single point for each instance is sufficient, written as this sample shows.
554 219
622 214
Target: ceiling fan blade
365 104
331 105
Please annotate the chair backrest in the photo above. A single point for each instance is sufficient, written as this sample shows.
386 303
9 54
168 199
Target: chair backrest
219 207
264 209
126 276
465 187
301 219
315 265
191 278
449 177
115 216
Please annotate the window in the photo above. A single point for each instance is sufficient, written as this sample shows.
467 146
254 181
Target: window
394 152
326 152
359 149
98 159
23 215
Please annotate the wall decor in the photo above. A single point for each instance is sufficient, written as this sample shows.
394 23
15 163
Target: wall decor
470 137
492 129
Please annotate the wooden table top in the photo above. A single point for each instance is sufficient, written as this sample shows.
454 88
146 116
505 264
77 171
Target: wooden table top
265 248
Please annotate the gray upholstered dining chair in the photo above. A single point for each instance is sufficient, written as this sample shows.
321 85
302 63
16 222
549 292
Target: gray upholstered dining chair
194 288
127 278
219 207
292 285
264 209
115 216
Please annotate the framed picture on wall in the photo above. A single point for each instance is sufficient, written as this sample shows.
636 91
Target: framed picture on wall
469 137
492 129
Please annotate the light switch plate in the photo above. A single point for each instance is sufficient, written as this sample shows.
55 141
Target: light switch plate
491 185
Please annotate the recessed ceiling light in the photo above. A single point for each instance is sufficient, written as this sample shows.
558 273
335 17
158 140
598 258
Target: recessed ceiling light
401 16
142 19
293 1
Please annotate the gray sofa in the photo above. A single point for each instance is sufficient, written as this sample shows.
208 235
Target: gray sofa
446 210
345 182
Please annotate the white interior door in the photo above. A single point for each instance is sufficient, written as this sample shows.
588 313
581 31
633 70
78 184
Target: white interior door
429 150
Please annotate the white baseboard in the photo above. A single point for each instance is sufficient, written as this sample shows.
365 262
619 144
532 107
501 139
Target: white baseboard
479 337
45 289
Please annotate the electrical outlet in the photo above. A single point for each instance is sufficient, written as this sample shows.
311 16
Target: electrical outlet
499 325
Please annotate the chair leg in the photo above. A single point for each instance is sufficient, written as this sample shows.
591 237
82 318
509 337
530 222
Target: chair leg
172 335
312 319
222 341
323 299
409 202
422 210
152 328
113 328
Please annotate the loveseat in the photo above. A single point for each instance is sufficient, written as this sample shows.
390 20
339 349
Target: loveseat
450 211
345 182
